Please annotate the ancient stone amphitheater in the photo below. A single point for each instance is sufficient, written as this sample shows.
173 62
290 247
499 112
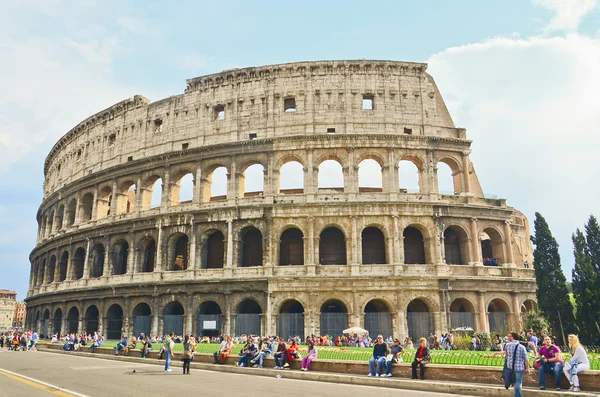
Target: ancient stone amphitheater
243 206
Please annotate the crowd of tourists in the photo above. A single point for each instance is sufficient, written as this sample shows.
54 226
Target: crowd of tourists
19 341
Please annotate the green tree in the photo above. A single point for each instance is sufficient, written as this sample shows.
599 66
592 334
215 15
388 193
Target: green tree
552 293
536 321
586 278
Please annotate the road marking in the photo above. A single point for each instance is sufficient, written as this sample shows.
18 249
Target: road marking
38 384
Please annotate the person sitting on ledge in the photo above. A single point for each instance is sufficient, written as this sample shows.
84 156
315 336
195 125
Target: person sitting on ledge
146 347
380 351
97 343
130 346
121 345
422 358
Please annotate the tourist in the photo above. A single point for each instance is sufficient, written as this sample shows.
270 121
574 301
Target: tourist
578 362
169 344
34 339
97 343
395 356
226 351
265 351
188 354
248 351
222 347
130 346
121 345
312 355
146 347
516 363
380 351
551 362
293 352
280 354
422 358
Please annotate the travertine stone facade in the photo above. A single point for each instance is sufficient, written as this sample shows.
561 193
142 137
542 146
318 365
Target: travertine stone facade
300 260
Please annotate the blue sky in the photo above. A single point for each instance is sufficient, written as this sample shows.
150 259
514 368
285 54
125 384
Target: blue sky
521 76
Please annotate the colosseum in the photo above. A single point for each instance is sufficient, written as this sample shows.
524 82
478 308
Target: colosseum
243 206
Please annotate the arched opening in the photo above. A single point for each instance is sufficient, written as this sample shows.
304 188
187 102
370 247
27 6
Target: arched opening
498 316
373 246
528 306
46 322
216 185
35 274
71 212
378 318
51 269
105 197
247 319
78 262
414 246
290 320
148 256
209 319
97 261
50 224
142 319
114 322
42 272
291 178
182 191
456 246
152 193
419 319
126 198
92 316
37 325
331 176
370 177
156 192
213 251
179 252
120 254
334 318
445 179
62 266
87 205
73 320
173 318
462 314
57 322
250 247
408 177
332 247
252 181
492 247
291 247
60 214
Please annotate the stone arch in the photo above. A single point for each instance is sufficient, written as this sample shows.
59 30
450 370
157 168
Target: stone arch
114 322
119 257
42 272
97 260
212 251
173 315
250 247
415 251
453 178
57 321
46 322
462 314
331 175
252 179
73 320
498 311
209 318
528 305
63 265
290 319
291 175
492 246
126 197
332 246
334 317
51 269
78 263
410 174
148 254
419 318
378 317
86 207
291 247
456 245
178 251
373 246
142 319
152 192
370 175
105 197
92 318
71 212
182 188
214 186
60 215
50 223
247 319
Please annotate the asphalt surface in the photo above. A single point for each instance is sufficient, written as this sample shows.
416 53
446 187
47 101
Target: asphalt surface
93 377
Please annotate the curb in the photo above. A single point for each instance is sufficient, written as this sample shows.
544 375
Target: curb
392 383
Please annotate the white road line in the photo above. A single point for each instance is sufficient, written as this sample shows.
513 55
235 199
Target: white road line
44 383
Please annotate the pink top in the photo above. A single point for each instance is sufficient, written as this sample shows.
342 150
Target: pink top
550 352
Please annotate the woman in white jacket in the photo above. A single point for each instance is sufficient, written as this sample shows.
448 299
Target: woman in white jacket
579 362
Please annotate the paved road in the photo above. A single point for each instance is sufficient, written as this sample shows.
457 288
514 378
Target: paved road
93 377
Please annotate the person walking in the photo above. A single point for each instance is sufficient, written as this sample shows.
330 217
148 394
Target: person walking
422 358
169 344
578 362
550 361
516 364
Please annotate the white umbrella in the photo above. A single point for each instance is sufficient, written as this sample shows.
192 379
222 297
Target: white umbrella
356 330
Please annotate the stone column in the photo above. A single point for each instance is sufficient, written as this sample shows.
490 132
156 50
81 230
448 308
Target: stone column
192 240
483 325
86 264
392 174
228 270
310 242
355 311
516 312
466 178
354 241
77 211
197 197
232 183
114 199
309 176
155 316
189 316
227 327
94 205
165 199
508 243
268 330
159 244
475 242
138 195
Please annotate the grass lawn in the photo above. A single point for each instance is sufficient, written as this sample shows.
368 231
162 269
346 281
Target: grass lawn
456 357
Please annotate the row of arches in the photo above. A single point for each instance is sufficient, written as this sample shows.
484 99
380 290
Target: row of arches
332 249
378 317
125 197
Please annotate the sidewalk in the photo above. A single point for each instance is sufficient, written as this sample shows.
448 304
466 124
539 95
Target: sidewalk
460 388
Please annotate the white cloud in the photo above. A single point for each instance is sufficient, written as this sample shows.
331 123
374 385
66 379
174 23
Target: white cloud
531 108
568 14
